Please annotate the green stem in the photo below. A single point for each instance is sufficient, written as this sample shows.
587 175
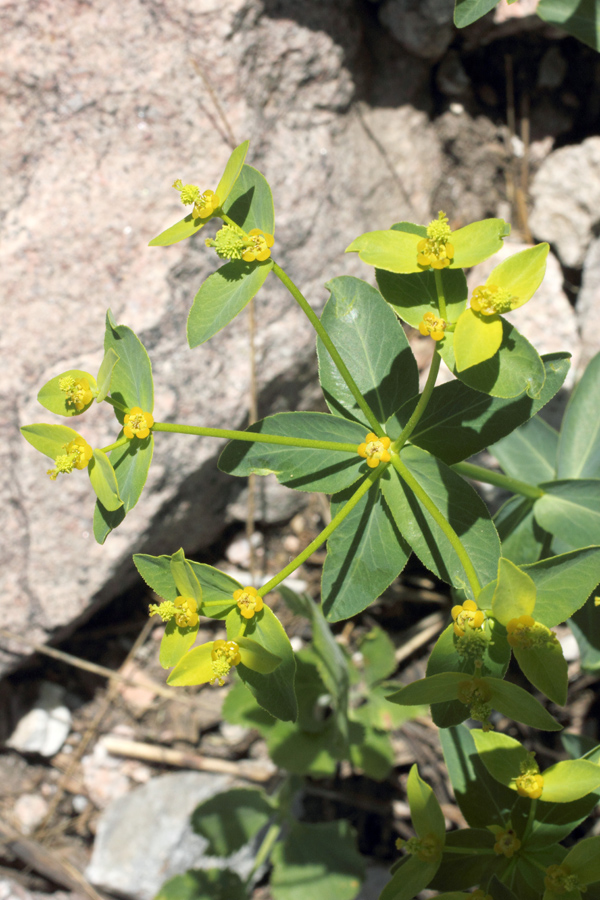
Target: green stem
440 520
470 851
116 444
339 362
264 851
478 473
254 437
530 819
215 603
439 286
420 407
116 404
371 478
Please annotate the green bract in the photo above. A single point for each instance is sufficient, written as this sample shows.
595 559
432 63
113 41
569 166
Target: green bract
190 225
396 250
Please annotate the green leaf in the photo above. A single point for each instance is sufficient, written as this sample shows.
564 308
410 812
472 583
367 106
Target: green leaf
564 583
240 708
301 468
105 374
189 225
321 858
372 343
204 884
520 705
250 203
181 230
433 689
585 625
477 338
576 17
274 692
371 750
482 800
478 241
232 171
461 506
546 668
131 463
52 398
521 537
231 819
104 481
394 251
468 11
425 812
364 555
514 595
193 667
50 440
255 657
156 572
520 274
529 453
460 421
217 588
223 296
175 643
570 510
554 821
502 755
515 369
579 450
570 780
409 879
131 382
378 653
584 860
411 296
185 580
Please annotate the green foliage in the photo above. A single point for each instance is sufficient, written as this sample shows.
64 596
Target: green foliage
392 458
229 820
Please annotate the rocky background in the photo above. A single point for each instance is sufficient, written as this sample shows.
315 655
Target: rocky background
360 113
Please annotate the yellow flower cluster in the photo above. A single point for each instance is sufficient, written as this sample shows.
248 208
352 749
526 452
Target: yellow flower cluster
507 842
187 616
436 250
491 299
467 615
524 632
530 784
78 391
375 450
224 654
433 326
560 880
249 602
205 204
137 423
260 246
76 456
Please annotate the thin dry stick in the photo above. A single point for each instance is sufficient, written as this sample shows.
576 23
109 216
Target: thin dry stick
217 105
420 634
524 184
251 770
96 669
111 693
45 862
511 123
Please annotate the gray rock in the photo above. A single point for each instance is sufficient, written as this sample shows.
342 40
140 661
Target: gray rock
566 200
423 27
145 837
101 120
46 726
587 307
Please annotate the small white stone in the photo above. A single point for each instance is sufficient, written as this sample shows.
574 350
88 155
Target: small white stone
45 728
29 811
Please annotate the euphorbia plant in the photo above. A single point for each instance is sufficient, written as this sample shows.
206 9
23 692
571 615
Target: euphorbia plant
392 459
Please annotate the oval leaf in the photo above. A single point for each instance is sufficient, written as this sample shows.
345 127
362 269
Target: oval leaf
514 595
569 780
52 398
477 338
104 481
425 812
223 296
546 668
